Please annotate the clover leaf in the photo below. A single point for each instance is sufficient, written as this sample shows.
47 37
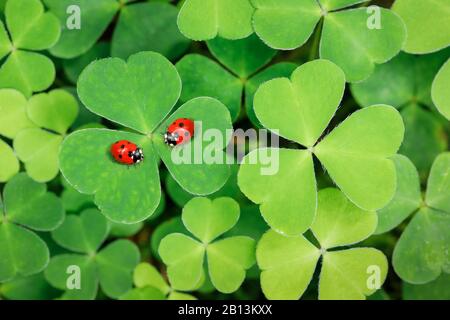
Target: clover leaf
288 263
435 290
408 82
9 164
33 287
38 147
227 259
204 20
140 27
204 77
150 285
26 206
30 29
286 25
421 253
425 20
355 154
110 266
13 108
439 90
138 94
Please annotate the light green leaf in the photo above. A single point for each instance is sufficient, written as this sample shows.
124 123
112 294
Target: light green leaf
438 195
339 222
104 177
229 19
13 110
38 149
422 252
16 244
208 219
198 166
28 204
146 275
137 94
356 155
330 5
184 258
349 31
288 197
56 110
407 197
146 293
95 18
115 264
227 261
279 70
287 265
56 274
301 120
175 295
9 165
173 225
148 27
425 21
440 92
203 77
346 275
82 233
243 57
285 24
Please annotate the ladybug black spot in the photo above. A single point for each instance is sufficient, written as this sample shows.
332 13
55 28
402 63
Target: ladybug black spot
122 146
181 125
120 156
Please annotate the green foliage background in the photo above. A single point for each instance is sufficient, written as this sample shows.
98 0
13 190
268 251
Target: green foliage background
364 167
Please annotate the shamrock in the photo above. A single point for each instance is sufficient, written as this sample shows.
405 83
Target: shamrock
140 27
139 94
30 29
421 253
408 81
440 92
204 77
425 21
33 287
150 285
38 147
9 165
227 259
204 20
355 154
435 290
26 206
111 266
347 35
288 263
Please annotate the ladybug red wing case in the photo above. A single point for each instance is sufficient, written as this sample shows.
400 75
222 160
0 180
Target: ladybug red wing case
180 131
126 152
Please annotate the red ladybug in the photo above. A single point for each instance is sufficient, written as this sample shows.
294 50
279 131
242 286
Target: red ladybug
180 131
126 152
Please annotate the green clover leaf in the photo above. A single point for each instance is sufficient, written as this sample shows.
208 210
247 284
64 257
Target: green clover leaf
9 164
227 259
138 94
435 290
425 20
140 27
30 29
421 253
150 285
33 287
204 77
408 82
205 20
286 25
288 263
355 154
439 90
13 108
38 147
110 266
26 206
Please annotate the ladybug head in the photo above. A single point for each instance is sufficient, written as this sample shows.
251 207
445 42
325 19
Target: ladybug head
171 139
137 155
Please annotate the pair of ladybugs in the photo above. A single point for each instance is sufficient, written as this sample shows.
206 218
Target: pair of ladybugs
179 132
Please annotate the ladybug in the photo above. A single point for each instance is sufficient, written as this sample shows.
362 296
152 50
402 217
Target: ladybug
126 152
180 131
